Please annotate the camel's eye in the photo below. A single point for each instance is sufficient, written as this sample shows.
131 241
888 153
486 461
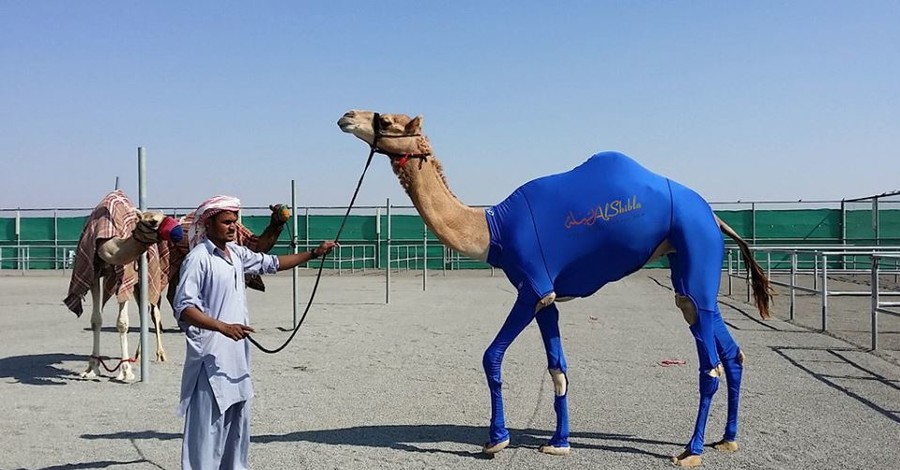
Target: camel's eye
385 123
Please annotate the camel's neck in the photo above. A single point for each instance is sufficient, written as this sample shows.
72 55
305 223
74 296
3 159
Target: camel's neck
459 226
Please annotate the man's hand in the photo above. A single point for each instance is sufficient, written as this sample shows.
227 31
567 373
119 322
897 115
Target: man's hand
324 248
235 331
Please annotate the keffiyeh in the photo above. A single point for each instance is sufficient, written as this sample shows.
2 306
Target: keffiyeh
209 208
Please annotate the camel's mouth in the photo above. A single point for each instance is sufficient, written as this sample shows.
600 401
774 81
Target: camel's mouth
354 127
347 125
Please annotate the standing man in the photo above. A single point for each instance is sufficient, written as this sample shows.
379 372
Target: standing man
211 309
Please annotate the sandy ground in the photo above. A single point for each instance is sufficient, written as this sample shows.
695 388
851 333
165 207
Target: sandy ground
372 385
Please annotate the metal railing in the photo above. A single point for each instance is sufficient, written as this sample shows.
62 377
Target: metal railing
879 306
26 257
818 263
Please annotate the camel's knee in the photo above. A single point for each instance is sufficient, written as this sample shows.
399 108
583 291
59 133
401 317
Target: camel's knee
96 320
546 301
122 324
491 362
717 371
560 382
709 383
687 307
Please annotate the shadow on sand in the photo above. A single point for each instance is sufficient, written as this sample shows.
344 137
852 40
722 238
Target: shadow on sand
423 438
840 355
40 369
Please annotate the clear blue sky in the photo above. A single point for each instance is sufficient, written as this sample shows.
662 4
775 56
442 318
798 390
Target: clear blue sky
762 100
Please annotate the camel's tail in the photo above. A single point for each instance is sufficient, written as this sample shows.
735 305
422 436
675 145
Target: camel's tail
762 289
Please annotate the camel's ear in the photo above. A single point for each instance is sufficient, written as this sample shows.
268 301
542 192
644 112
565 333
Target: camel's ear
414 126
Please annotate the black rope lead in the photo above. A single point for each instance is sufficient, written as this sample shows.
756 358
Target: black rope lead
322 263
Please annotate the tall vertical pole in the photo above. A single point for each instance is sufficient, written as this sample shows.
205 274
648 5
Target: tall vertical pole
144 282
387 250
425 258
296 271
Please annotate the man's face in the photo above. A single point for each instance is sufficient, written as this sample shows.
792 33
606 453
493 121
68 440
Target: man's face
222 228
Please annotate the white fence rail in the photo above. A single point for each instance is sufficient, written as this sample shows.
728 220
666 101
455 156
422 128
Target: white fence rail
818 263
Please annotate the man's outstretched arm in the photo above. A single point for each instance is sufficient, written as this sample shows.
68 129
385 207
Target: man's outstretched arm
293 260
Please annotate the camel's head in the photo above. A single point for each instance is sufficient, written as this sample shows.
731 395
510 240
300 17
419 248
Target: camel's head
391 134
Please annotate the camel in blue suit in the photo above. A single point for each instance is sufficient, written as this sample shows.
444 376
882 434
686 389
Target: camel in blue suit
567 235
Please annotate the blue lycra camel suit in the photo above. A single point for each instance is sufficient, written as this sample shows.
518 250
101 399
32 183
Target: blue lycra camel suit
574 232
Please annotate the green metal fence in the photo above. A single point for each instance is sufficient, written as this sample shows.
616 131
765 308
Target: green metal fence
43 239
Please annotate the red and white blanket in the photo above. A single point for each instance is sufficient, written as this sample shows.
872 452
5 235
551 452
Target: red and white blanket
114 217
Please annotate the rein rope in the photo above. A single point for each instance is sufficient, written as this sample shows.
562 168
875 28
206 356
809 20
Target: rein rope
322 262
373 149
102 361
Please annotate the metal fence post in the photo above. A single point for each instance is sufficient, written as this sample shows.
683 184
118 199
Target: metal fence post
816 270
387 264
730 270
747 281
793 282
875 301
377 237
424 257
824 292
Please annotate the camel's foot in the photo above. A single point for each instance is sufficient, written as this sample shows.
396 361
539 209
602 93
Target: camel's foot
125 373
490 448
726 446
92 371
553 450
686 459
160 356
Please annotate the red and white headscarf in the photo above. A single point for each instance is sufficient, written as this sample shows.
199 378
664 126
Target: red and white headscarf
209 208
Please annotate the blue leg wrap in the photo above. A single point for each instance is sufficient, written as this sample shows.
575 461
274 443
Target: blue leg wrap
491 363
708 387
733 372
520 316
548 322
561 436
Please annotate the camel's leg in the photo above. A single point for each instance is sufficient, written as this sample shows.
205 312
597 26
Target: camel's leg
521 315
157 322
93 368
734 369
696 271
703 330
548 321
125 373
